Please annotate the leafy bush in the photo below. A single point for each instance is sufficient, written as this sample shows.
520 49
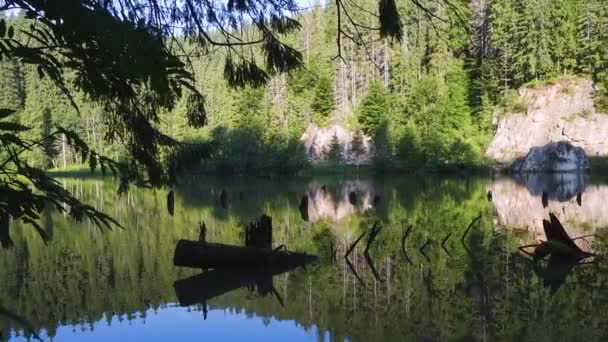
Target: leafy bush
513 103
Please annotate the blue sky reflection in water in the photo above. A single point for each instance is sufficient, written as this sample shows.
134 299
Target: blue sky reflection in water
181 324
486 289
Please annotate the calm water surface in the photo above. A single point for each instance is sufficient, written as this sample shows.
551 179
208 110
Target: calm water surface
436 284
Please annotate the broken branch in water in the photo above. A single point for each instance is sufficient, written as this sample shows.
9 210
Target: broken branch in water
403 238
277 296
350 265
558 243
352 247
469 228
443 244
352 269
421 249
372 236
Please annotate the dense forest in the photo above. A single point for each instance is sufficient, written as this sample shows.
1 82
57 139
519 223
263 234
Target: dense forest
428 101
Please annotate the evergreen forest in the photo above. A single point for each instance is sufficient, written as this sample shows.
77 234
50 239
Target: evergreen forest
428 101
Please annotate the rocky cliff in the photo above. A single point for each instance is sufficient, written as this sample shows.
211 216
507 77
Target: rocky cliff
317 142
563 111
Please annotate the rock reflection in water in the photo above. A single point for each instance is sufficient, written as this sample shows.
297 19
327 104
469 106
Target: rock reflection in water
558 186
520 207
337 203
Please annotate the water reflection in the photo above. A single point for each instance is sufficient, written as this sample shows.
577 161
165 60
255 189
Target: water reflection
520 207
89 284
557 186
337 203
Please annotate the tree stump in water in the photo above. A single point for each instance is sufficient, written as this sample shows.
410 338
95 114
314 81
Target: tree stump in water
171 203
259 233
224 199
352 198
303 207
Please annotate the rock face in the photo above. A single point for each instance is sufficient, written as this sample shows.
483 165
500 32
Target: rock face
558 156
561 112
317 142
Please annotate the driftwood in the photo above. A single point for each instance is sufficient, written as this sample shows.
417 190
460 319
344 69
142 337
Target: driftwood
563 254
558 244
206 255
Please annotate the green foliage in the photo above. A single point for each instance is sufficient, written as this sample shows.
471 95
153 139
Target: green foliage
513 103
373 109
409 154
601 97
323 101
12 87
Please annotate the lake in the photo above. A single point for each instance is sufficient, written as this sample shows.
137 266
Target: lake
433 273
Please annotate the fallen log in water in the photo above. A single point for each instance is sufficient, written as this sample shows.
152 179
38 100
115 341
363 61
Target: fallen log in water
204 255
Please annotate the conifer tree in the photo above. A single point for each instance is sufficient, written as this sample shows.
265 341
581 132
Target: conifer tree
323 101
12 92
373 109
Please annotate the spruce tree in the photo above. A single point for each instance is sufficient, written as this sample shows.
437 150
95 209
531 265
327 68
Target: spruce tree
373 109
12 92
323 101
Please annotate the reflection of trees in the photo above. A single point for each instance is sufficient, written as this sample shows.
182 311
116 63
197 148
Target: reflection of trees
85 275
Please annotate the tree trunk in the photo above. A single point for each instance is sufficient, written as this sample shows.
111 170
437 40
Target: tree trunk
199 254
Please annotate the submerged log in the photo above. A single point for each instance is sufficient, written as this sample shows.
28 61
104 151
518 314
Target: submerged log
198 254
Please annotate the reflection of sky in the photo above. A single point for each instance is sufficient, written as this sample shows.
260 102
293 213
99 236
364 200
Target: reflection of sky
179 324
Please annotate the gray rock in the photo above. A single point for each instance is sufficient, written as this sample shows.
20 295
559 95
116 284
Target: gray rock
317 142
558 156
562 111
